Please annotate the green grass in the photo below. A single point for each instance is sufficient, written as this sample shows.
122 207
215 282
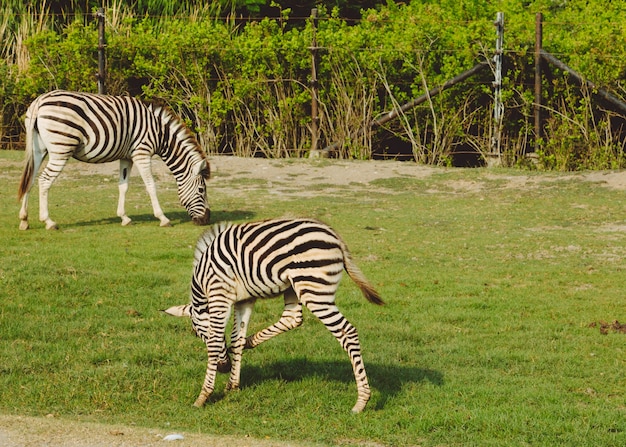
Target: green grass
484 341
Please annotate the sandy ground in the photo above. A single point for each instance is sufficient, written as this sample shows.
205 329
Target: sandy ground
21 431
279 175
298 174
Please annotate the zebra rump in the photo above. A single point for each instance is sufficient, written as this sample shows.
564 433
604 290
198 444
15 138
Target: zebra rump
235 264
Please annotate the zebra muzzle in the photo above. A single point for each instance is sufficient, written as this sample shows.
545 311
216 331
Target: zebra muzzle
203 220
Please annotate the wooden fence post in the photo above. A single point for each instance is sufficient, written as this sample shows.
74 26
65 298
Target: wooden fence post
101 76
314 85
537 105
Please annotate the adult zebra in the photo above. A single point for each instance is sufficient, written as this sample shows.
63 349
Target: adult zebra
237 263
98 129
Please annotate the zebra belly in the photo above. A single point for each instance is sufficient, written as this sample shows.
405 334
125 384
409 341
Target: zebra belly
90 154
87 159
246 291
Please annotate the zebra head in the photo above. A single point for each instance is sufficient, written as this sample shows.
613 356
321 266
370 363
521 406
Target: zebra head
192 193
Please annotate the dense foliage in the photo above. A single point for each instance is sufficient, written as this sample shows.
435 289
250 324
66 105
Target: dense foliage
243 84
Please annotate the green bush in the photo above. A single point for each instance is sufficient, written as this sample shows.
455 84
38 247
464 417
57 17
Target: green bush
244 86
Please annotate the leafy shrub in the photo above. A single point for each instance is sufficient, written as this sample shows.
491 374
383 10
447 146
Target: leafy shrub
244 87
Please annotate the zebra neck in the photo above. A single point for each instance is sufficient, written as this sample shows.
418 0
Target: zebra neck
181 160
179 150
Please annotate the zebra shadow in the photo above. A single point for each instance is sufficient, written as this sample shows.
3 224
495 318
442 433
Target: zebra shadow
388 379
175 217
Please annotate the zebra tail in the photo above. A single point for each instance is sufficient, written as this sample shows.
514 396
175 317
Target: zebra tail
359 278
29 166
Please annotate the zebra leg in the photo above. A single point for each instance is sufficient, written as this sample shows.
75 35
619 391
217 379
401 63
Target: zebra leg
38 155
209 323
125 168
224 364
143 163
44 216
291 318
243 310
347 336
24 213
56 163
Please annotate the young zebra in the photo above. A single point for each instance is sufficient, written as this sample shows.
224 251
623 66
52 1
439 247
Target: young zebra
99 129
237 263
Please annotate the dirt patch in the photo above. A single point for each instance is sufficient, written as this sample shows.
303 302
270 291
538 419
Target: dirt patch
22 431
610 179
284 175
605 327
300 173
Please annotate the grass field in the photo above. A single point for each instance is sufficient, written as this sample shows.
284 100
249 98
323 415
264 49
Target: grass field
492 279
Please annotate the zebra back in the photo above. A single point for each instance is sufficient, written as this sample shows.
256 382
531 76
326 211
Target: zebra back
255 249
108 128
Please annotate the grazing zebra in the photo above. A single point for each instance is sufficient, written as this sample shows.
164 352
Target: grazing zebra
99 129
237 263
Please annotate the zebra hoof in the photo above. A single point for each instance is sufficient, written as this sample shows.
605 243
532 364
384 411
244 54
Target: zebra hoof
52 226
201 400
166 224
232 387
126 221
359 407
24 225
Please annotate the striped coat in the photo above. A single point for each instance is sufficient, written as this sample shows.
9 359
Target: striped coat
96 129
235 264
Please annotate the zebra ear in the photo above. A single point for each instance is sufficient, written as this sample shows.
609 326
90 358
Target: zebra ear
184 310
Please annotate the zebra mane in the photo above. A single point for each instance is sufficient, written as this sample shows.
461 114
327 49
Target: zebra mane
159 105
160 108
207 238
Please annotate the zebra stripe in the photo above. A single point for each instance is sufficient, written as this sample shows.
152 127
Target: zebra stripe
99 129
235 264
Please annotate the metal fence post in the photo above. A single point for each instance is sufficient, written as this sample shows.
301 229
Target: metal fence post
101 76
498 106
314 86
537 104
